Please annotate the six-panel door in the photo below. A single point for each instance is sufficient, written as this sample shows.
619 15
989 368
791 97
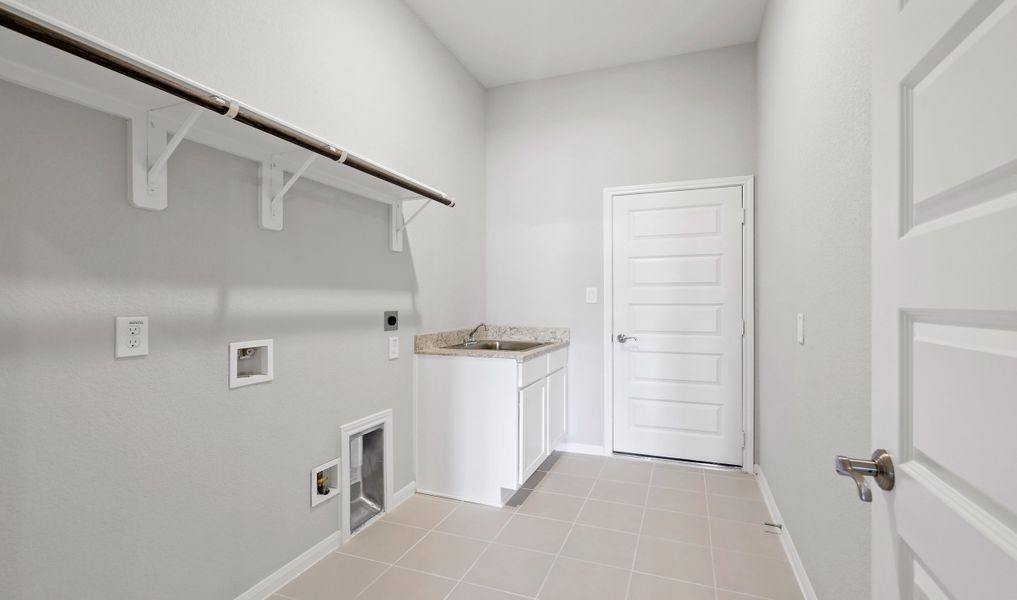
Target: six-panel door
944 284
677 291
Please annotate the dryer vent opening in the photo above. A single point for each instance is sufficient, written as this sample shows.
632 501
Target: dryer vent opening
367 476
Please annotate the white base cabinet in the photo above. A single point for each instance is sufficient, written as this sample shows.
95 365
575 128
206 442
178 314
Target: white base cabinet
484 425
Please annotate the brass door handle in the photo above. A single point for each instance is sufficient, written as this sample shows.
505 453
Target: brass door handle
879 468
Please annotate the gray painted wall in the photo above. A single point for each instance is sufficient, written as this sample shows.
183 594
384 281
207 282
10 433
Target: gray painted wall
148 478
554 145
812 232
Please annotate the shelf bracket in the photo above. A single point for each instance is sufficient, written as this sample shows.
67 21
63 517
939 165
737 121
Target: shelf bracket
414 215
150 189
273 191
396 225
399 223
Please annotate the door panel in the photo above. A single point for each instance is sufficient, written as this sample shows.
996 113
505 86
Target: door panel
532 428
677 287
945 298
557 405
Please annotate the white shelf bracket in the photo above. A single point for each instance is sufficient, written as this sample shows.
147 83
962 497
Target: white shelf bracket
273 191
414 215
149 191
397 225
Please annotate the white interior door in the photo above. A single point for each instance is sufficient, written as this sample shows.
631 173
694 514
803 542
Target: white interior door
677 293
944 240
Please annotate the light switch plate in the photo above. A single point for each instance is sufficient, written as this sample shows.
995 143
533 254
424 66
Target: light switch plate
131 337
801 328
591 295
393 348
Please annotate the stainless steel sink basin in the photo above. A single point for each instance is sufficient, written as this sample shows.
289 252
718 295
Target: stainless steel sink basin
504 345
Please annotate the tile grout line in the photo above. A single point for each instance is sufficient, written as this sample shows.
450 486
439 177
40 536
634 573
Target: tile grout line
479 556
639 537
709 530
571 529
408 550
590 526
501 529
514 511
663 487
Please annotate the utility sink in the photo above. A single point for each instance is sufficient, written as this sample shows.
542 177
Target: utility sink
503 345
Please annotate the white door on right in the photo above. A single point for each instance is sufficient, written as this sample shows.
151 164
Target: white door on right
677 305
944 397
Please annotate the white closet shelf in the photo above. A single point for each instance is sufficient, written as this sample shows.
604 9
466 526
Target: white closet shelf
159 120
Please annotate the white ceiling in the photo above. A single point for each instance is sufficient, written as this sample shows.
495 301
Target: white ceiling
506 41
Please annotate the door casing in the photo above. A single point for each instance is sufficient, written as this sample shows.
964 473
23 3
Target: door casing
746 182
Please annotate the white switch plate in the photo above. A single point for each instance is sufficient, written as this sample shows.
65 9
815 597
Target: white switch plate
393 348
801 328
591 295
131 337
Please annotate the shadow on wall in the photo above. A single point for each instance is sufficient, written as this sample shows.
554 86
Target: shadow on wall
68 224
121 474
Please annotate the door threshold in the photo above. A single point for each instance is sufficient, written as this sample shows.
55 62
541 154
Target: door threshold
681 461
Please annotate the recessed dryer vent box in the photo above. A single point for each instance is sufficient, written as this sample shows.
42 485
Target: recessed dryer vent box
250 363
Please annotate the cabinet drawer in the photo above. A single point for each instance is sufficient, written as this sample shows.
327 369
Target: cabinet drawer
532 370
557 359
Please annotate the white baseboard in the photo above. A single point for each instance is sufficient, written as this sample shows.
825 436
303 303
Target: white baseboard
404 494
582 449
274 582
785 537
271 584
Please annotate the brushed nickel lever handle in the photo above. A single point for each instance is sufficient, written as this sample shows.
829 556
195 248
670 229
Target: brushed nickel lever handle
879 468
622 338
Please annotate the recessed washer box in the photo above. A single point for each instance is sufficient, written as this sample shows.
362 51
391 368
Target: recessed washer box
250 363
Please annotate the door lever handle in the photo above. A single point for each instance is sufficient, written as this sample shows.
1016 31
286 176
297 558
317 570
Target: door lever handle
622 338
879 468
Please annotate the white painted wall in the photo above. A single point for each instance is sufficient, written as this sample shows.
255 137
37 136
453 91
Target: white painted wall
554 145
812 232
147 478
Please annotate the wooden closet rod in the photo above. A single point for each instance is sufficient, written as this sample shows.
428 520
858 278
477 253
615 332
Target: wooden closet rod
89 50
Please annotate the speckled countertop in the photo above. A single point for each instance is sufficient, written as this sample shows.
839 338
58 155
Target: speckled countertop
435 343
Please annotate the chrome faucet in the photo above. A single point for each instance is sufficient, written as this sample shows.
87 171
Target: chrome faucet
470 339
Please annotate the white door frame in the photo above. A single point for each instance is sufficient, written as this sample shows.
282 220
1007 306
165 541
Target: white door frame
748 301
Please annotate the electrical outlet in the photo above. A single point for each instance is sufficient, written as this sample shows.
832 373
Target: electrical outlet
393 348
131 337
591 295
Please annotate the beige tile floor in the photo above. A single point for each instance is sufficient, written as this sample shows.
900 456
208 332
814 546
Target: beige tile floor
592 528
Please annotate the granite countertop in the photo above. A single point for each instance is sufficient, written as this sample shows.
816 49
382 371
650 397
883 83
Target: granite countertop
556 338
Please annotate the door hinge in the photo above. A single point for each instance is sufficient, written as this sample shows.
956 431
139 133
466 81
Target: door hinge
743 439
743 327
743 216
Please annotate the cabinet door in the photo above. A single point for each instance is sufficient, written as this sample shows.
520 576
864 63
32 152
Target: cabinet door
557 384
532 428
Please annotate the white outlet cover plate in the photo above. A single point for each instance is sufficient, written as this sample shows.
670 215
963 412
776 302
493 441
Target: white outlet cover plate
591 295
131 337
393 348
